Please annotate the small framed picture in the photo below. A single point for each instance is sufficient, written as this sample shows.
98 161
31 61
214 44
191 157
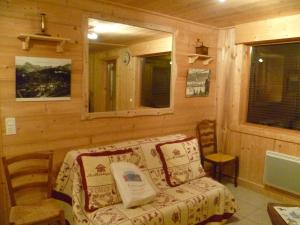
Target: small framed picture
43 79
197 82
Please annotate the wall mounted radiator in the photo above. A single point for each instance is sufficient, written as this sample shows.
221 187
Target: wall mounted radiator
282 171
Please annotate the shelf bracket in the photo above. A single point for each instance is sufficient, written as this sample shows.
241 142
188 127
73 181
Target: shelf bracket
25 43
193 58
60 46
207 61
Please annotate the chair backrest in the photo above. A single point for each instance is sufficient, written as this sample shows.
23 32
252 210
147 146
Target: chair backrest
207 137
13 173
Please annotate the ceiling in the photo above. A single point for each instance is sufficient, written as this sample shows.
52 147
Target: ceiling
115 35
216 13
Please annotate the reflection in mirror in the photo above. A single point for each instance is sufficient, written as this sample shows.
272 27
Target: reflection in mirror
156 73
129 67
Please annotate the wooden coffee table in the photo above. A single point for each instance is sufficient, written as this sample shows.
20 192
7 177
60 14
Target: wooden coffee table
275 217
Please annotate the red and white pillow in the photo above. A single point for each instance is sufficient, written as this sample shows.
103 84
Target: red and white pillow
181 161
99 187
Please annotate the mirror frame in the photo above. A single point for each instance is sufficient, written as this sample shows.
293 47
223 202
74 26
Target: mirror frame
131 112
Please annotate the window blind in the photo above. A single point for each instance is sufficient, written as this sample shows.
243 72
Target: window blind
274 88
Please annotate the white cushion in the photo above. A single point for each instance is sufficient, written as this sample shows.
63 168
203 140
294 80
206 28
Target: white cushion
134 187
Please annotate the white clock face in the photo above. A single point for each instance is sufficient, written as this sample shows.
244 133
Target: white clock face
126 58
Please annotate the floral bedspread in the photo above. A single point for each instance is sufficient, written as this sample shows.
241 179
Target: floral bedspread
197 202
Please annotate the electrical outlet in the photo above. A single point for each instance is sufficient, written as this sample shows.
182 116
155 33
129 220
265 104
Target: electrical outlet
10 126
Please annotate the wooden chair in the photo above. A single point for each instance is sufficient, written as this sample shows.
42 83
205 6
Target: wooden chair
206 130
45 211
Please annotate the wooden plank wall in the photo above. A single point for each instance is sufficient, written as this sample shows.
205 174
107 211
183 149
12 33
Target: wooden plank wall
271 29
3 194
249 141
57 126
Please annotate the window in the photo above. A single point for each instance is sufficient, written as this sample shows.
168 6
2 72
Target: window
156 74
274 90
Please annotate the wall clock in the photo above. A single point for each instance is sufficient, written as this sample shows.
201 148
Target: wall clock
126 58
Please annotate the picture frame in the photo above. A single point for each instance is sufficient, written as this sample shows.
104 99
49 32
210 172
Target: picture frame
197 82
43 79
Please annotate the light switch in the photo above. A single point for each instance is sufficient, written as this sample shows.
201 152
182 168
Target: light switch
10 125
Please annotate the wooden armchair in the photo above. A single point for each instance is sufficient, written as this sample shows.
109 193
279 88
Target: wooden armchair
206 130
45 211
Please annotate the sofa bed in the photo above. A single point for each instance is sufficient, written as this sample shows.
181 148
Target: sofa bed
197 200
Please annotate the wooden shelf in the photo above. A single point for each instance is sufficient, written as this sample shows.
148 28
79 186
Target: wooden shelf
206 59
26 38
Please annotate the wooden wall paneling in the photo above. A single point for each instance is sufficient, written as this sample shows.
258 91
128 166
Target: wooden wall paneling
244 84
252 157
225 60
253 140
232 146
282 134
237 72
270 30
58 126
152 47
287 148
216 13
3 189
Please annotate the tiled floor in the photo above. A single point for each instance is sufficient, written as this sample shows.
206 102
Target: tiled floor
252 207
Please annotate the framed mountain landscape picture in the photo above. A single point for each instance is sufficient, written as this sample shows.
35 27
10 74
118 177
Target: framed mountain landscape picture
197 83
43 79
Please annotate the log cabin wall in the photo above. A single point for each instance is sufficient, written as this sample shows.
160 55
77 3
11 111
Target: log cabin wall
58 126
250 141
3 194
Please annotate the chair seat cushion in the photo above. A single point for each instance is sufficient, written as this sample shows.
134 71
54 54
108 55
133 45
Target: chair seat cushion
28 214
219 157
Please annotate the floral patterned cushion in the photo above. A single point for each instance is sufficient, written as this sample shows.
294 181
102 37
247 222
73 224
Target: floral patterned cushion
181 161
98 184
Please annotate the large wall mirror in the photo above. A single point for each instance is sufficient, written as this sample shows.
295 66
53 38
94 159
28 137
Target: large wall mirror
129 69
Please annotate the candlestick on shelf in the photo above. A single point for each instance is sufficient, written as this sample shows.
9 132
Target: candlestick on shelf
43 25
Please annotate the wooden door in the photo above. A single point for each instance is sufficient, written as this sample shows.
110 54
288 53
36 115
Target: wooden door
111 85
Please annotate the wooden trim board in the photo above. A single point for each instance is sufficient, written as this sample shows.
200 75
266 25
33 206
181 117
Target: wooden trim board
268 31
